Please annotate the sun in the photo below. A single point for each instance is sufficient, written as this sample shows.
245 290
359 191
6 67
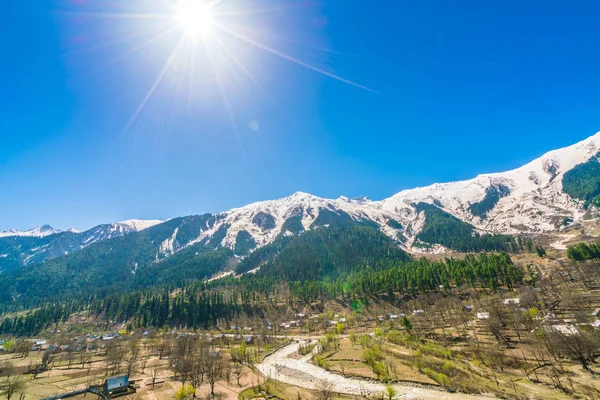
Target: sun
195 16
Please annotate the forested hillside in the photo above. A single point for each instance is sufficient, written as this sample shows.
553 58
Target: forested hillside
115 265
449 231
583 182
493 194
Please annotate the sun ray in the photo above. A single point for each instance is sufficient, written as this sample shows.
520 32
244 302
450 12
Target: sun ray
292 59
246 13
224 97
239 64
192 68
148 96
116 15
148 42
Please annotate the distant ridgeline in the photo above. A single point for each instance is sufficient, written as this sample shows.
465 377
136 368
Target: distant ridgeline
139 260
583 182
351 262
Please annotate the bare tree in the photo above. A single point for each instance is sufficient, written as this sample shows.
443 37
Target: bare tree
227 373
238 372
23 349
70 357
580 347
325 389
85 357
184 367
6 368
131 365
114 354
154 375
164 349
214 371
12 387
197 374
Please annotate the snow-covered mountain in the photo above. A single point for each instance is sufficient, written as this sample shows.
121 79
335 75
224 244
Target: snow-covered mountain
46 243
109 231
529 199
38 231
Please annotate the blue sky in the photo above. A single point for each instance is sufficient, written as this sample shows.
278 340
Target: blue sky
461 88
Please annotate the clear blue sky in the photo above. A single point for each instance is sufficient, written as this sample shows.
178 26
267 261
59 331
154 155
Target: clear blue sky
462 88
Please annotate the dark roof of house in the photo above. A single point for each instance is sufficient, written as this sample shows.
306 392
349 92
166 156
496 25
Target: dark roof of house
117 382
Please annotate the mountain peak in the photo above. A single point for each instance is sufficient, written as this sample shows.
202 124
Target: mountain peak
38 231
140 225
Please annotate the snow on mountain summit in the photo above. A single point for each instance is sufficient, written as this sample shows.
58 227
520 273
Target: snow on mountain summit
533 193
138 224
38 231
530 199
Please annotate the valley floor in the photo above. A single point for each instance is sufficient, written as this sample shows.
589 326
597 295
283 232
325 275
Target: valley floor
302 373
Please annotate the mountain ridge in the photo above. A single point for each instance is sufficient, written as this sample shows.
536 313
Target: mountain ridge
526 200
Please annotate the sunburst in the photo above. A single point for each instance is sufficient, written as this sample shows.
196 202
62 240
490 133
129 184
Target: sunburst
203 32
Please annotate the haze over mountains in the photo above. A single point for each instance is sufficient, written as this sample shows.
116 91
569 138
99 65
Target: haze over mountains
532 199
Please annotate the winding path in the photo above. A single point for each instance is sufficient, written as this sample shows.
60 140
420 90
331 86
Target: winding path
301 372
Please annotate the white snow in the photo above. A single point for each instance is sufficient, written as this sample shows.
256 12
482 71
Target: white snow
138 224
535 204
167 247
38 231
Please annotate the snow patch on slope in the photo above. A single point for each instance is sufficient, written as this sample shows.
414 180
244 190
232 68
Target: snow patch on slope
167 247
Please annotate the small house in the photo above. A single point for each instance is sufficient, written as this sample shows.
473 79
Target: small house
117 384
54 349
596 324
483 315
514 300
416 312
